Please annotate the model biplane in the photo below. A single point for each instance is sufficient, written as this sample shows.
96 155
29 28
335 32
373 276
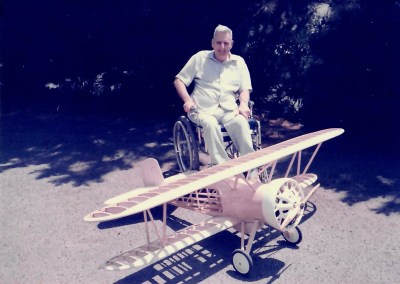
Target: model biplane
224 193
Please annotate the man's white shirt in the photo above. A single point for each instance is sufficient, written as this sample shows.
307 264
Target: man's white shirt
217 84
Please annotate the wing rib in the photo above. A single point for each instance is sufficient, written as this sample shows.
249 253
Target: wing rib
154 251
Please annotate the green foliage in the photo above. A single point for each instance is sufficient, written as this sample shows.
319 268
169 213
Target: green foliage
280 47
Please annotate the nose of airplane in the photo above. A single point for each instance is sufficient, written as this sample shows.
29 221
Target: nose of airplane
280 197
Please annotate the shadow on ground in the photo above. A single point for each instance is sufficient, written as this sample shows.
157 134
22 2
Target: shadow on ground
350 165
208 257
79 149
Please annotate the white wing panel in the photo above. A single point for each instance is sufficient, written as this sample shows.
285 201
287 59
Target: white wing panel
150 253
138 191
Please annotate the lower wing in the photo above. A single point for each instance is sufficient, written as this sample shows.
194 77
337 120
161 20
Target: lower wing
155 251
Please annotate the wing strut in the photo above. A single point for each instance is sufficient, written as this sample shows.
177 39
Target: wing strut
245 179
272 171
290 165
298 163
164 238
242 236
251 237
164 241
263 168
298 154
147 227
312 158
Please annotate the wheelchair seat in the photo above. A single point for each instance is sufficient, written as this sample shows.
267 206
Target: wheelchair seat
253 124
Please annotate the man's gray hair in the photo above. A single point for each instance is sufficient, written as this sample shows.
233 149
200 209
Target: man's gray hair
222 29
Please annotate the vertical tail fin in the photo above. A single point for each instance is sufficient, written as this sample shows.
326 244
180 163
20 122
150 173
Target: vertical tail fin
151 172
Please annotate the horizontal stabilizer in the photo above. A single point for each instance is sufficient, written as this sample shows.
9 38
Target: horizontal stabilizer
150 253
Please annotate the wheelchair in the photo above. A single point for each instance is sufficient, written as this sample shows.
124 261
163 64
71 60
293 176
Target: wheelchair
189 142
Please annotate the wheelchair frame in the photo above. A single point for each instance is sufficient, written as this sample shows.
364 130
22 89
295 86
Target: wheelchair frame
189 141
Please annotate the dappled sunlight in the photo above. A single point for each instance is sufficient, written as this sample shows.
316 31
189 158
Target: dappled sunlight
81 150
320 12
99 142
119 154
388 207
360 178
150 145
386 180
206 258
80 167
278 130
11 162
52 86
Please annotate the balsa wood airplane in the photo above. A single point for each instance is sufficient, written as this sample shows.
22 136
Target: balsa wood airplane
226 195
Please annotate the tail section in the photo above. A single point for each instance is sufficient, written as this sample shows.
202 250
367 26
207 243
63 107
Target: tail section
151 173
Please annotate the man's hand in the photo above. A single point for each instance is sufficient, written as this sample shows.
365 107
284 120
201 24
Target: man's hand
189 104
183 94
244 109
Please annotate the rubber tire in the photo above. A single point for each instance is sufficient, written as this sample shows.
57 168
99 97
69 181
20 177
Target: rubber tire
242 262
191 142
297 239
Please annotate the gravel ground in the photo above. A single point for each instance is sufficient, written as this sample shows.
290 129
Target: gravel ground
56 169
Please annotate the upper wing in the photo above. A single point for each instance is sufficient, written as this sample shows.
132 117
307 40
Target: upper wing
165 193
155 251
138 191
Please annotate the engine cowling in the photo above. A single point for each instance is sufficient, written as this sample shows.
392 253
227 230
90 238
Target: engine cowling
279 197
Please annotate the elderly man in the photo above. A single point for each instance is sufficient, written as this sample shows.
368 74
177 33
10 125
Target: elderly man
219 77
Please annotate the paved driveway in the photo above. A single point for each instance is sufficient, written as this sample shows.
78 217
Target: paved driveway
57 169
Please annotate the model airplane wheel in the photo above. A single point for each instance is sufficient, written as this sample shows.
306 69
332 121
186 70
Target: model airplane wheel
294 237
242 262
185 144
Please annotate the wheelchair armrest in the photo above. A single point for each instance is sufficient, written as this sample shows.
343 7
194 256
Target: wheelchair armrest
250 103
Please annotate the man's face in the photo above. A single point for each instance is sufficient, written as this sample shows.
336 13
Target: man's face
222 45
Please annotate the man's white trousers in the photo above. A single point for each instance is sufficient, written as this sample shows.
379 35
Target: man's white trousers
236 126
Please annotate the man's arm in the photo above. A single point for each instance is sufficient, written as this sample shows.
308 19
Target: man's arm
244 98
184 95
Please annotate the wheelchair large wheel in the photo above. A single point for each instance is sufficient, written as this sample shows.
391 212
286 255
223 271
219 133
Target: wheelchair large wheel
185 144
